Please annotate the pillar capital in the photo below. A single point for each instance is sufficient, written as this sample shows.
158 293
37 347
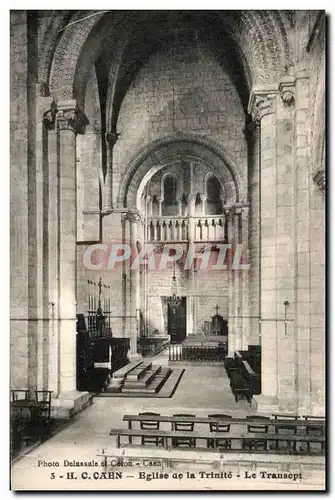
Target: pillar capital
229 212
191 198
203 197
133 216
49 117
261 101
287 90
111 138
69 117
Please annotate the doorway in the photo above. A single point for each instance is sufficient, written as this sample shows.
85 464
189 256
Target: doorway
177 322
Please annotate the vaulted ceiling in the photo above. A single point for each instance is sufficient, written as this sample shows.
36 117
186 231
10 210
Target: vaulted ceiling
252 45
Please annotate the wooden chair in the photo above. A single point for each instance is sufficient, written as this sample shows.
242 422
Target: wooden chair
150 425
44 398
219 427
315 430
41 425
183 426
289 418
291 445
256 428
20 394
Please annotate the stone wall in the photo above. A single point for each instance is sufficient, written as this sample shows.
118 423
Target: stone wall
186 91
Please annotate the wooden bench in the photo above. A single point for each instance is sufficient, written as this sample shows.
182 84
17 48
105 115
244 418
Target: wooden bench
206 420
239 386
244 380
241 440
252 378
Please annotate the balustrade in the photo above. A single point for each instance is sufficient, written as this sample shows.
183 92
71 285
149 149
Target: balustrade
203 228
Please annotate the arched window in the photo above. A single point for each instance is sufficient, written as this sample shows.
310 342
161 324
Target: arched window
213 195
170 206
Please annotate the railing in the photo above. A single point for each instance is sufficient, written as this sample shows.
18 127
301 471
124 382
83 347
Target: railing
150 346
168 229
179 352
203 228
99 324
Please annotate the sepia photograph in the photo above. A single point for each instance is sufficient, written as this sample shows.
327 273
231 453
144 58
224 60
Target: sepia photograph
167 250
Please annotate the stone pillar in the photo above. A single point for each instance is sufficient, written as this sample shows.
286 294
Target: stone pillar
191 231
203 199
40 277
262 106
148 200
254 243
286 252
107 204
89 179
308 334
245 279
133 219
53 251
237 288
231 330
191 208
180 207
70 121
160 200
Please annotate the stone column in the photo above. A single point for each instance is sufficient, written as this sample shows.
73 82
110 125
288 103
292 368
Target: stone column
89 180
160 200
252 133
231 330
237 285
308 332
245 279
191 230
70 121
262 105
203 199
133 219
180 207
53 251
191 208
40 278
107 204
148 201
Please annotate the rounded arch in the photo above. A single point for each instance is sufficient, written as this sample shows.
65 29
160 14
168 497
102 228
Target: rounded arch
163 178
208 175
260 36
158 154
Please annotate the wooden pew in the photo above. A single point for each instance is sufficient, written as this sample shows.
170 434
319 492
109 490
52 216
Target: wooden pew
253 379
239 439
302 424
239 386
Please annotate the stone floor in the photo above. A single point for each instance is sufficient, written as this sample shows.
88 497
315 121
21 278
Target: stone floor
202 390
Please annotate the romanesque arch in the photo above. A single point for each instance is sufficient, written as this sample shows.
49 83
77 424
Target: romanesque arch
153 157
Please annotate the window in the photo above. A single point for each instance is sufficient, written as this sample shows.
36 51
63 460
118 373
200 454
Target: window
170 206
213 194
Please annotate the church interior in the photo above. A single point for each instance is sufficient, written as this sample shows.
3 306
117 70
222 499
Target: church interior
183 132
